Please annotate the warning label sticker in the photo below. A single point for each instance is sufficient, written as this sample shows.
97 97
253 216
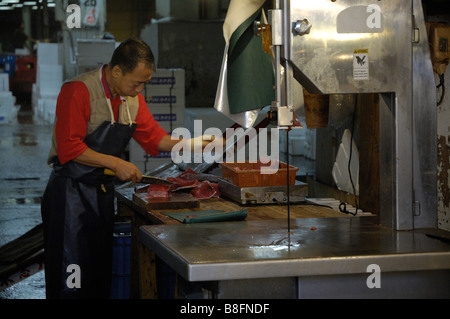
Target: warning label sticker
361 64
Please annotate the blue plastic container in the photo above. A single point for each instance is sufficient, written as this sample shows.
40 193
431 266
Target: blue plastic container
8 64
120 286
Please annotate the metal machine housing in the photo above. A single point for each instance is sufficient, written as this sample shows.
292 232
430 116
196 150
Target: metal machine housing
368 46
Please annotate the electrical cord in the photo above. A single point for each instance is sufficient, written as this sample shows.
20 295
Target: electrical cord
342 205
287 184
441 84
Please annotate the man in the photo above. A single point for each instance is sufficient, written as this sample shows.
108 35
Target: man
96 115
20 38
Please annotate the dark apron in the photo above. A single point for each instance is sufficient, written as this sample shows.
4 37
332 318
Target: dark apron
77 212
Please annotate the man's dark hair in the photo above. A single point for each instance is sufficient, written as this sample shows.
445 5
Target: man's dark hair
129 53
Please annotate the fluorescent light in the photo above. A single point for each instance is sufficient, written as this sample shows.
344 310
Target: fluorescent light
29 3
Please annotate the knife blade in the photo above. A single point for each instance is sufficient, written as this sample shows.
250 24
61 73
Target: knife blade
145 178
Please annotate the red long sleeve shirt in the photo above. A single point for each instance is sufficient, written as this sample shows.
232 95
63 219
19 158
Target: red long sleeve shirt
73 111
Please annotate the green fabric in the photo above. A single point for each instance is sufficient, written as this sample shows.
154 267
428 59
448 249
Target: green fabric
250 77
205 216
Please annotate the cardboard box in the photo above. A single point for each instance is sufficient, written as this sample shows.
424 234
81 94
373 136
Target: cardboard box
164 96
162 78
167 118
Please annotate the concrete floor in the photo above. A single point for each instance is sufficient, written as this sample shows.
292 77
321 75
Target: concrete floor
24 146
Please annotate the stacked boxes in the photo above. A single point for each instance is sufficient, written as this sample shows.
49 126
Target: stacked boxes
49 79
49 72
8 109
165 97
302 142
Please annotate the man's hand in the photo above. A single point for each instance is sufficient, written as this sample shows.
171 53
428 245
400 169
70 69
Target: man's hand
126 171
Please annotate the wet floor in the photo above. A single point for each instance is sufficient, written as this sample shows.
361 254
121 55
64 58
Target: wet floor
24 145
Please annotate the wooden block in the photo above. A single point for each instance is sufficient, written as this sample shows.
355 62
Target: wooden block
175 201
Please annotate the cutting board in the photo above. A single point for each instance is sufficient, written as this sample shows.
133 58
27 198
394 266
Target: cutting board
176 201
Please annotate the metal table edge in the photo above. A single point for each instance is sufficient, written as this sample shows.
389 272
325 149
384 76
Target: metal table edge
295 267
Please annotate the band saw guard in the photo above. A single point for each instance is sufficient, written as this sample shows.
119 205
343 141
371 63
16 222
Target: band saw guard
397 65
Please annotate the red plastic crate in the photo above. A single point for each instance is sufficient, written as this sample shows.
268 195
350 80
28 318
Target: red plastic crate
249 174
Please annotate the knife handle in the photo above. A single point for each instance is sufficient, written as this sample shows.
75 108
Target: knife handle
109 172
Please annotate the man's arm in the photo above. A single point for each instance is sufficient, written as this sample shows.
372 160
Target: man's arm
125 171
167 143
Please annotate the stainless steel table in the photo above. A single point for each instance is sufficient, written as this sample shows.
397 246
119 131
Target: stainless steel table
319 258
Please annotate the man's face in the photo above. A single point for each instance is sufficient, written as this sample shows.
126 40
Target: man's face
132 83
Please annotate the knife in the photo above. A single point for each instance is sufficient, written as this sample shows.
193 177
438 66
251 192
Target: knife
145 178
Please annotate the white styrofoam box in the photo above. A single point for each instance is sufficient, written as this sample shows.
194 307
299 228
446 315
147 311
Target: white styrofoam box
50 109
174 78
297 140
8 113
5 117
44 108
310 144
48 53
21 51
4 82
163 96
38 108
297 145
49 79
7 100
340 168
